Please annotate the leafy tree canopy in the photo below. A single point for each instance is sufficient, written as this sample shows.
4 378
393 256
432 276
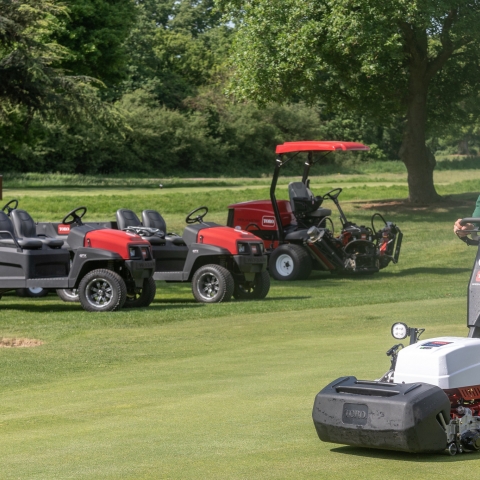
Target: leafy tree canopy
95 32
416 59
175 47
30 80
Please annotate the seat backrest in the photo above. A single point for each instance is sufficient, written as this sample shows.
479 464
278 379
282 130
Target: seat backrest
297 190
127 218
152 219
6 225
23 224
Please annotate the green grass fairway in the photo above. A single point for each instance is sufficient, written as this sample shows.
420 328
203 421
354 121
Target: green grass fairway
183 390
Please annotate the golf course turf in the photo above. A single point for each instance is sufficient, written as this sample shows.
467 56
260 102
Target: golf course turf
183 390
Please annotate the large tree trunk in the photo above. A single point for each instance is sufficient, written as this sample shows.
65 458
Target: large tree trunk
416 156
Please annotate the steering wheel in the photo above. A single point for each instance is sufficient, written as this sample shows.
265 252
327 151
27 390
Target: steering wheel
199 218
333 194
7 208
76 216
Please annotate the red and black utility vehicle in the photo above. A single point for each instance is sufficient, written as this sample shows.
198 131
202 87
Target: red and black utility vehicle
109 269
219 261
295 231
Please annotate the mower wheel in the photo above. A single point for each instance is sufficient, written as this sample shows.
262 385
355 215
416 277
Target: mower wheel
290 262
141 297
212 284
34 292
68 294
102 291
255 290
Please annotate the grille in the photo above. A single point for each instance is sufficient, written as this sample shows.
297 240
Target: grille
470 393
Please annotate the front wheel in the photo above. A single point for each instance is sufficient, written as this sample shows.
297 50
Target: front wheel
290 262
68 294
32 292
212 284
102 291
255 290
141 297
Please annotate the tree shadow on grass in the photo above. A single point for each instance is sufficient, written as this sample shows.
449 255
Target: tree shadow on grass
426 270
75 307
273 299
403 456
393 274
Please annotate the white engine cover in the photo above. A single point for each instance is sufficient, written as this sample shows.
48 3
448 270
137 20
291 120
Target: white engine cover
447 362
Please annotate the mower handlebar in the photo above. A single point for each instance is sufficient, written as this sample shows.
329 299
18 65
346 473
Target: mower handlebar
464 221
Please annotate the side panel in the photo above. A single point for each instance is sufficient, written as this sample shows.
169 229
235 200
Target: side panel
260 214
23 268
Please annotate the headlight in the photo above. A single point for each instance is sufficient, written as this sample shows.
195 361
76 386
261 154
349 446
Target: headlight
400 331
243 248
132 252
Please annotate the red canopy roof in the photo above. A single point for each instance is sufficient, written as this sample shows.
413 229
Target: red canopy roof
319 146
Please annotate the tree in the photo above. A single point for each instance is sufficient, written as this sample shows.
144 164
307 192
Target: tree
34 89
95 33
175 47
415 59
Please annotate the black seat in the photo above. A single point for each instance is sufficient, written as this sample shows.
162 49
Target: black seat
153 219
25 228
128 218
8 237
304 203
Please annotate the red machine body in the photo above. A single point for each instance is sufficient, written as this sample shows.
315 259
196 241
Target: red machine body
114 240
225 237
259 214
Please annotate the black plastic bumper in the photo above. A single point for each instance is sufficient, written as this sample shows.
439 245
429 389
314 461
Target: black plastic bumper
390 416
140 269
251 263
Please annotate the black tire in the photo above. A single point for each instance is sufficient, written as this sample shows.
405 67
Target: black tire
102 291
212 284
68 294
255 290
34 292
141 297
290 262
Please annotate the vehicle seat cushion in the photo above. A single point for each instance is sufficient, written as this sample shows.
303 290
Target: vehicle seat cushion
127 218
51 242
320 212
153 219
25 228
23 224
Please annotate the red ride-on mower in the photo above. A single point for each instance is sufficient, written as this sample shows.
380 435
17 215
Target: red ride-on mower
219 261
428 401
295 231
110 269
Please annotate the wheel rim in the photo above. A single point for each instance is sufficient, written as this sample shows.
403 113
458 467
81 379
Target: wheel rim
284 265
71 292
99 292
36 290
208 286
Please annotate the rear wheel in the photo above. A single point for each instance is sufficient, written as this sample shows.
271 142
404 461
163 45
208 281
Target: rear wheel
102 291
33 292
257 289
68 294
212 284
290 262
141 297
